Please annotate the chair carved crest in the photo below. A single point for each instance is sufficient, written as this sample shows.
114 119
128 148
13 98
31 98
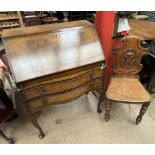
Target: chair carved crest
129 56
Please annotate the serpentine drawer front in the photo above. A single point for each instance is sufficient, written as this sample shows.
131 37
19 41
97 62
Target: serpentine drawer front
54 64
73 81
63 91
63 97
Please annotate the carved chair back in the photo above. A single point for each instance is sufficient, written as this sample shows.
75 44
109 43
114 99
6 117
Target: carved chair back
128 57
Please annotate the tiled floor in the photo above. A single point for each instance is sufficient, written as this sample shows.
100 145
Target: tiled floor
80 123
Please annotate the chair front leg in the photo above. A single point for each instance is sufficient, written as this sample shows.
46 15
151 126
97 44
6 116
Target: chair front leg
108 108
142 112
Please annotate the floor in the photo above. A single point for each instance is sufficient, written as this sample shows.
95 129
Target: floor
78 122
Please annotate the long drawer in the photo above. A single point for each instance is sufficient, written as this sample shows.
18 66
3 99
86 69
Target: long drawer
59 86
63 97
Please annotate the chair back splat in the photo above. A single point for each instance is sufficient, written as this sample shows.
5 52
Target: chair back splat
129 56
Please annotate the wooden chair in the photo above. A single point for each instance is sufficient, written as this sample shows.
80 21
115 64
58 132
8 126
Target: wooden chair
6 107
124 84
8 75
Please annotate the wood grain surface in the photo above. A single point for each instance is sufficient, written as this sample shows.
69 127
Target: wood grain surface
32 52
142 28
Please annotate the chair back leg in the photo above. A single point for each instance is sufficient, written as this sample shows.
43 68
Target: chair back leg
13 90
108 109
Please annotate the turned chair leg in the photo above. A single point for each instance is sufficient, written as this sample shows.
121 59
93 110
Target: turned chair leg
108 108
34 119
9 140
142 112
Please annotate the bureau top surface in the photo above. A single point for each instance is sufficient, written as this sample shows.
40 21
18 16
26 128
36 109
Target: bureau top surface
47 49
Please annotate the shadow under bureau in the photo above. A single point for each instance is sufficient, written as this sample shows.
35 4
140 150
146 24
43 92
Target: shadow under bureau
54 64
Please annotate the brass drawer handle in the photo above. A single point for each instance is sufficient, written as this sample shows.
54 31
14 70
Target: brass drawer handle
103 66
41 91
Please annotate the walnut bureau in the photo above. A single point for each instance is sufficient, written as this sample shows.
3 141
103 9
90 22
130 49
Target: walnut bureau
54 64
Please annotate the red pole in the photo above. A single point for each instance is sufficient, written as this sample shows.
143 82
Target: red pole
104 26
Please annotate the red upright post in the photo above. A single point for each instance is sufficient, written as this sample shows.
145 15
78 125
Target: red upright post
105 25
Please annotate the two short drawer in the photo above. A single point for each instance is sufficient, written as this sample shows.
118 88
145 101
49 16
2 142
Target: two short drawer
63 97
63 85
63 90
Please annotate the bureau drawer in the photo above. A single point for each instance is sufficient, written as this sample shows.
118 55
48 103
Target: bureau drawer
37 104
63 85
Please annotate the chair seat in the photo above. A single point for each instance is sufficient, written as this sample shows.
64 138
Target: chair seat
127 90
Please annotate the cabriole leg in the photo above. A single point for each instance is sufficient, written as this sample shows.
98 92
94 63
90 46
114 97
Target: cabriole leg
34 118
101 98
